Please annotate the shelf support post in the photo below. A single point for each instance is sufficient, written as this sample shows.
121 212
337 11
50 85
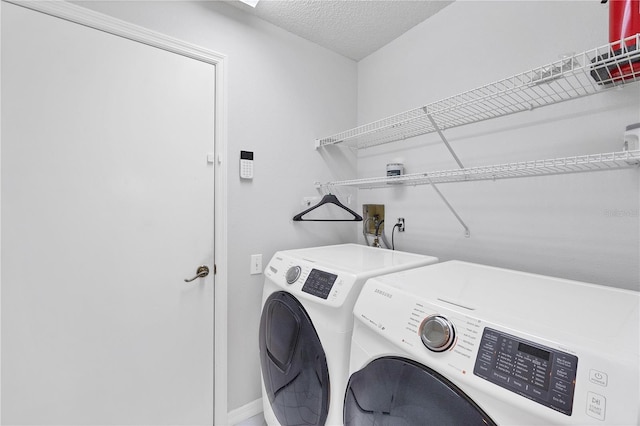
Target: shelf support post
444 139
467 233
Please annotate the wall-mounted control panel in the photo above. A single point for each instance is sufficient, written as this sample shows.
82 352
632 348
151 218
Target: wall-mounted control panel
246 164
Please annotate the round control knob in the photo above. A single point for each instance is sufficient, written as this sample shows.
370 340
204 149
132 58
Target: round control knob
293 274
437 333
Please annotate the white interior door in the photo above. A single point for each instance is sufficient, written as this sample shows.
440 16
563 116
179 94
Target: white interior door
107 206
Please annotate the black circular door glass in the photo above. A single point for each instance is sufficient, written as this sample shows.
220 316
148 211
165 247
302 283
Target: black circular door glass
294 365
395 391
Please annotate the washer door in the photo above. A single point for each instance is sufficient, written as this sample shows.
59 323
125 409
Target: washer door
294 365
400 392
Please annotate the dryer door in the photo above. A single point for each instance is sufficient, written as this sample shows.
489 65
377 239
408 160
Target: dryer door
294 365
398 391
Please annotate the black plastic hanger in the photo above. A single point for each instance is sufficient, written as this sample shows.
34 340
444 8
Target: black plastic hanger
332 199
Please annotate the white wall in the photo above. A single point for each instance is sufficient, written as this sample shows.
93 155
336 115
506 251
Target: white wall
283 92
582 226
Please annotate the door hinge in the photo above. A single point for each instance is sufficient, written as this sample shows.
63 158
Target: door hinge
215 269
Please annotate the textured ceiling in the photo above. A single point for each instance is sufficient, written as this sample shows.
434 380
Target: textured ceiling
353 28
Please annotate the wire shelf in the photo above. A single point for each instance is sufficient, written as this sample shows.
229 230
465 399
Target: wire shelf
565 165
572 77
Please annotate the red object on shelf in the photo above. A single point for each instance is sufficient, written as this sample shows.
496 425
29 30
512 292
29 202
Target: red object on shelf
624 20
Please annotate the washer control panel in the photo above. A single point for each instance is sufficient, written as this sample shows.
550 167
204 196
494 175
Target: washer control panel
307 280
319 283
545 375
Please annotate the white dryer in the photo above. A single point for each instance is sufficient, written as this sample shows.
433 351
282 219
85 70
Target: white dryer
464 344
306 324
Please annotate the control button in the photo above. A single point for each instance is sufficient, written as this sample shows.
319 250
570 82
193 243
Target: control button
532 391
485 356
499 377
437 333
596 405
566 361
488 345
293 274
518 384
482 369
537 392
561 386
564 374
561 401
489 336
598 377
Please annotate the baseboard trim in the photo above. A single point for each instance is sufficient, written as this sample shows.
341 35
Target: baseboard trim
245 412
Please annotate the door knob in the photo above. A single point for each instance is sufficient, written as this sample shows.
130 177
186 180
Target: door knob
201 272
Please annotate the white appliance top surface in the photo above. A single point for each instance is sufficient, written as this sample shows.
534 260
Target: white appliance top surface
358 259
543 304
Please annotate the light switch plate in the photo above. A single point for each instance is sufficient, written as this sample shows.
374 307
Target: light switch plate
256 264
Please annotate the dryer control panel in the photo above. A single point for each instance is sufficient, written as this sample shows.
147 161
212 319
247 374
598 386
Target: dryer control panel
545 375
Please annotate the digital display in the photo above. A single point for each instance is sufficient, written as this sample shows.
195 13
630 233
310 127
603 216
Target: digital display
531 350
246 155
542 374
319 283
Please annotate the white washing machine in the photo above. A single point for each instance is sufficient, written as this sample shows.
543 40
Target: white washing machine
306 324
464 344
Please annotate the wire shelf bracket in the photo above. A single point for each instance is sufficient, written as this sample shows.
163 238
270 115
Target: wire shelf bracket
467 233
444 140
